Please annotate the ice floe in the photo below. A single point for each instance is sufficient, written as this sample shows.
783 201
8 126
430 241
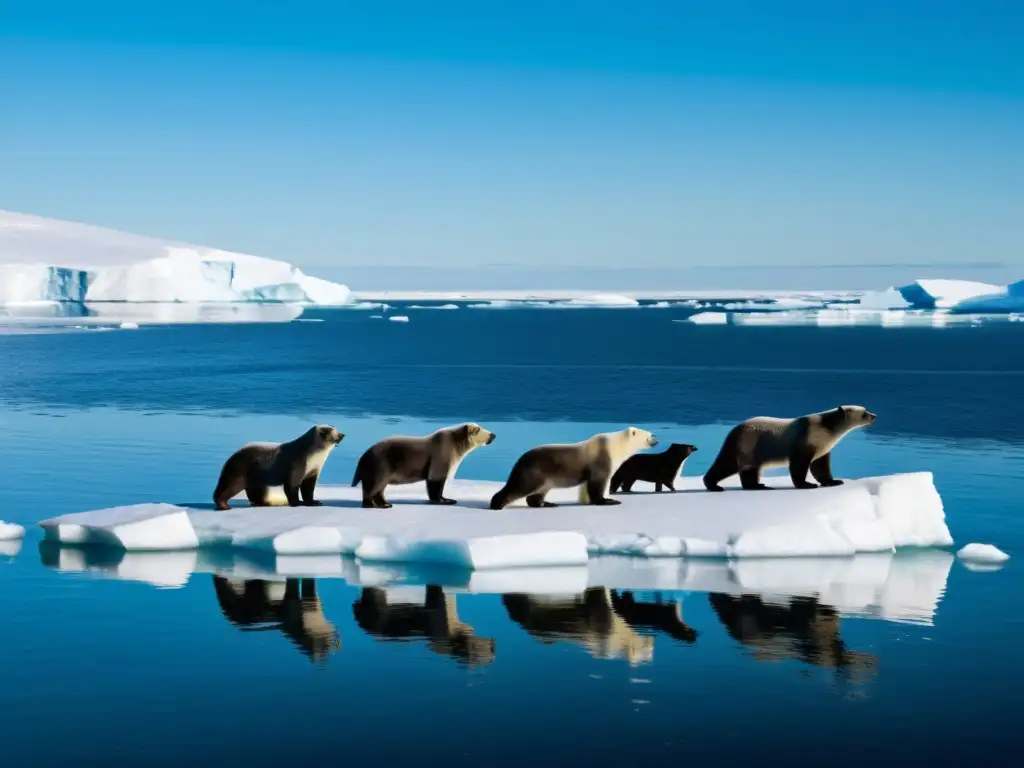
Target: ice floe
876 514
11 531
982 553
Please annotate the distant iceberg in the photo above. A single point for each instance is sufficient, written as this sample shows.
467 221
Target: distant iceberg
961 296
46 260
1001 301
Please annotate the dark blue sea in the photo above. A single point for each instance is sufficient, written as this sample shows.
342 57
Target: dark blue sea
101 667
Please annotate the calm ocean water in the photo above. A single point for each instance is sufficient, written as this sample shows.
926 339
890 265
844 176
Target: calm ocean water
108 671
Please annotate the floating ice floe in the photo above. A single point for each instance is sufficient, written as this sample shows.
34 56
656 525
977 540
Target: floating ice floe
985 554
876 514
398 319
11 531
591 301
709 318
60 261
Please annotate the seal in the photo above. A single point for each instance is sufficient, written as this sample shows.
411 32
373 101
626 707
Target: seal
588 464
804 443
662 469
402 460
295 465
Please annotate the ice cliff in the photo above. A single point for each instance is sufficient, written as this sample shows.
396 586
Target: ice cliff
50 260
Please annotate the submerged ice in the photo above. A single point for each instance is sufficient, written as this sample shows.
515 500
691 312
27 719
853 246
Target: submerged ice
877 514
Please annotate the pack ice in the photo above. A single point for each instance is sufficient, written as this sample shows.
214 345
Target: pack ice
877 514
49 260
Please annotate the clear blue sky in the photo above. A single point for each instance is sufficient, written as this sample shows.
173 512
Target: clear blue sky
600 134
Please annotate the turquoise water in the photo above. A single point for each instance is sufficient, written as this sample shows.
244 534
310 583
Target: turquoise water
105 669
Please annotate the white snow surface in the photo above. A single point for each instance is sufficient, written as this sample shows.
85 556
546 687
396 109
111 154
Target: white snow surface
876 514
44 260
11 531
982 553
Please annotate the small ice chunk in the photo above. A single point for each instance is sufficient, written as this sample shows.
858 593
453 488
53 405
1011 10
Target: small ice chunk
398 319
982 553
127 325
11 531
709 318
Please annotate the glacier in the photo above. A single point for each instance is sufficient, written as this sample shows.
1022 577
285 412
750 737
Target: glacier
48 260
879 514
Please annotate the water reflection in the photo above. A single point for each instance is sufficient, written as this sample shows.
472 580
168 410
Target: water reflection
292 608
801 628
660 615
436 620
588 619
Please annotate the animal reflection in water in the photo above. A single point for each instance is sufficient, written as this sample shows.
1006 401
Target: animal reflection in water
293 608
436 620
604 623
804 630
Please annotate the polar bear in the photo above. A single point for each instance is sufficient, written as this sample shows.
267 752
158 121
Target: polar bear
588 464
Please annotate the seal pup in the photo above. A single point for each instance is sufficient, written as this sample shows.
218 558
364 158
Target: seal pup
402 460
662 469
295 465
588 464
804 443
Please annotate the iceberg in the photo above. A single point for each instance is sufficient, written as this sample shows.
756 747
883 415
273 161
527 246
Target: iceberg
1001 301
46 260
877 514
927 294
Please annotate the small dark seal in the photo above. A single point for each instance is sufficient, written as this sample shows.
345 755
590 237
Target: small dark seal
662 469
295 465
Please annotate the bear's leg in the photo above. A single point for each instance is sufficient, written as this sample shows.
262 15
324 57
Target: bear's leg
821 470
750 480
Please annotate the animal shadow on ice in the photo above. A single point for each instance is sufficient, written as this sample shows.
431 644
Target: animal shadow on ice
436 621
802 629
608 625
292 608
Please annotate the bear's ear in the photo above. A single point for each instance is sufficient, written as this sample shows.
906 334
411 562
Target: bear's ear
632 431
464 432
841 411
